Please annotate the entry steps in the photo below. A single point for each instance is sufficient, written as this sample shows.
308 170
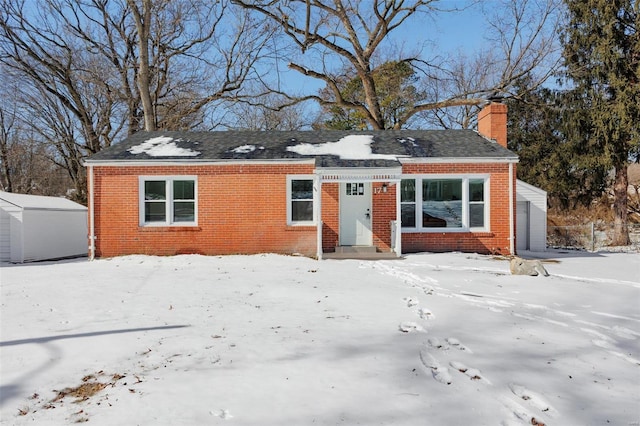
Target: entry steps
359 252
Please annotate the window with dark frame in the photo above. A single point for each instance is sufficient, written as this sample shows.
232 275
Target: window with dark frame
301 200
355 189
433 203
169 201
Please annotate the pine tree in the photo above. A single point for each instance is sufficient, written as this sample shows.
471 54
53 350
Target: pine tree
602 58
550 158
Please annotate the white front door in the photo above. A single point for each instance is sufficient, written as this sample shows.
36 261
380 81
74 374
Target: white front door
355 214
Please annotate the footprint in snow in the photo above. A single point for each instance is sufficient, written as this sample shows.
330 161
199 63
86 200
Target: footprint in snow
521 414
409 326
425 313
434 342
456 344
223 414
410 301
449 342
473 373
440 373
532 398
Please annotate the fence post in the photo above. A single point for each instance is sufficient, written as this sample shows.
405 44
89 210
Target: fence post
593 237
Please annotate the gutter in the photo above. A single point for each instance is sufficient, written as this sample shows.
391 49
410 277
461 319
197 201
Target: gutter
195 162
511 215
92 237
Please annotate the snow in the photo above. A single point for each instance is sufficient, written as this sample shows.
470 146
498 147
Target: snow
162 146
351 147
245 149
438 339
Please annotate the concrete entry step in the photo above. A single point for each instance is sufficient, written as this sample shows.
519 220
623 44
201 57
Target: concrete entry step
359 252
356 249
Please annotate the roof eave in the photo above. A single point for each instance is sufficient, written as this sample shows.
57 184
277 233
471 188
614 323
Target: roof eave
192 162
458 160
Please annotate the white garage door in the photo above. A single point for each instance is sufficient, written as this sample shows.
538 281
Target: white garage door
522 225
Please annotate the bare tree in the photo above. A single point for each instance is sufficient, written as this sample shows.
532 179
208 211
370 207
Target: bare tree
192 53
7 123
332 35
92 70
25 164
265 114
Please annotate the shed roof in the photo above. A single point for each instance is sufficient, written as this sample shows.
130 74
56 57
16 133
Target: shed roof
524 186
39 202
386 147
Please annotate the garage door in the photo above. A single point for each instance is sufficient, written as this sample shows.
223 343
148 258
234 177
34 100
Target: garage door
5 237
522 225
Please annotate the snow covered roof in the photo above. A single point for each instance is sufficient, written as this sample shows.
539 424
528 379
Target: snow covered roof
163 146
350 147
328 148
39 202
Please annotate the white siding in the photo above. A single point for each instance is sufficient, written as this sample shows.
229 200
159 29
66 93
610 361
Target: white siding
40 228
531 234
51 234
5 231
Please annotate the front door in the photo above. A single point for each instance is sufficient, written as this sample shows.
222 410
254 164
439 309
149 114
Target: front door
355 214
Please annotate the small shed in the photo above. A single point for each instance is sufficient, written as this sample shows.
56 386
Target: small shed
531 217
34 227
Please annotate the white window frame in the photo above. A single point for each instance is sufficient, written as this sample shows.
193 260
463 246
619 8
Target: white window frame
169 220
290 221
465 203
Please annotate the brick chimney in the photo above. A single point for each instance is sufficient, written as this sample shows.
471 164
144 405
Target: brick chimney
492 122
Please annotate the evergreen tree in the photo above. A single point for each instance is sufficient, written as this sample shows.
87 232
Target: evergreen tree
602 58
394 87
550 157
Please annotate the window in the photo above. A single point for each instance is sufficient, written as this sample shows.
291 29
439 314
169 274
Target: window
476 203
434 203
168 201
355 189
408 203
442 203
300 200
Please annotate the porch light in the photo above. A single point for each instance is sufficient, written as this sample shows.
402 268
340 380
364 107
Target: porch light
384 187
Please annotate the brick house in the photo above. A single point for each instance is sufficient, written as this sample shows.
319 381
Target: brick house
317 193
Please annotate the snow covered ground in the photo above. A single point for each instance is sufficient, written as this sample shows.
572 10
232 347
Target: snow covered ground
433 339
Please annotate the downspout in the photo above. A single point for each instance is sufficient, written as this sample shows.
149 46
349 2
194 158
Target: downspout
317 186
92 237
398 221
511 215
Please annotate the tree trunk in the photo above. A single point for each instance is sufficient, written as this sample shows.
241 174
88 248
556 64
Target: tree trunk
620 228
6 169
143 26
5 173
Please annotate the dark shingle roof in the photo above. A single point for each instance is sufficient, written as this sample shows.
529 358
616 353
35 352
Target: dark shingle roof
272 145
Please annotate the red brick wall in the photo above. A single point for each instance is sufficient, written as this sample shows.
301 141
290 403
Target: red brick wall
492 122
494 241
241 209
330 216
383 212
